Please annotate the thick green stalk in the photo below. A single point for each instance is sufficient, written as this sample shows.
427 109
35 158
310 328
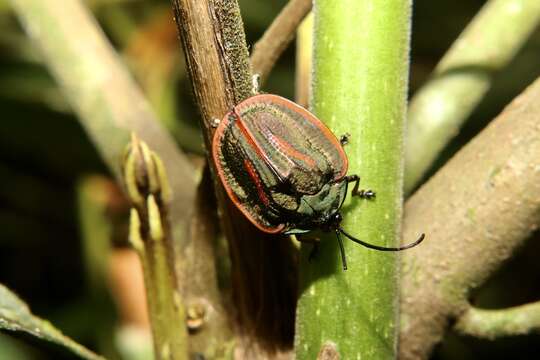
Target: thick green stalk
360 83
462 78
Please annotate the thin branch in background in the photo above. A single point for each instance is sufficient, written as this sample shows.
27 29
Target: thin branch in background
152 53
110 106
278 36
476 211
304 57
462 78
103 94
493 324
107 101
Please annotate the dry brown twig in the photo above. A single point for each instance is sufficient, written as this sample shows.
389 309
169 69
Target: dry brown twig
214 45
278 36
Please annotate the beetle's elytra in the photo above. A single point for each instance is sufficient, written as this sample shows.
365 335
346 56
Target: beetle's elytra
284 169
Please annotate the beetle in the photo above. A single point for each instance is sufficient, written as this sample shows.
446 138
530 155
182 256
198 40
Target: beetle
285 170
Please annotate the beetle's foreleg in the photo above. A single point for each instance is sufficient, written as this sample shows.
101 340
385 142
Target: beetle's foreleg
344 139
362 194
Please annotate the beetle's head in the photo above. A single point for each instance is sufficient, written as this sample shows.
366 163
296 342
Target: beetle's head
331 222
334 220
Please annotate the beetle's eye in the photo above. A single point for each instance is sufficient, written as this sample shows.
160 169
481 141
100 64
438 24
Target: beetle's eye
338 217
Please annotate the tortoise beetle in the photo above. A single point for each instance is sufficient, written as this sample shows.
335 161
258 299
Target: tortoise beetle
285 170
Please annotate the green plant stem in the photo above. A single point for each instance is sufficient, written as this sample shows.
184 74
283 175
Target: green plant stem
493 324
304 56
476 211
462 78
147 187
167 313
360 83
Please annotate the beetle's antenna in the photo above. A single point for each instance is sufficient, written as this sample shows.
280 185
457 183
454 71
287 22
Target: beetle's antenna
380 248
341 250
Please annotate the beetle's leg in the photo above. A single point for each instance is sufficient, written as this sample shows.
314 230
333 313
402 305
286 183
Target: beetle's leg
363 194
255 84
344 139
341 250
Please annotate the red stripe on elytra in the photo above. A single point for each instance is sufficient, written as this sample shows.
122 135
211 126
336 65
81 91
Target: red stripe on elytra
291 151
243 207
251 140
257 180
275 99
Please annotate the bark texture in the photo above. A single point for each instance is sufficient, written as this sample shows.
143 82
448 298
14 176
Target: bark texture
262 275
475 211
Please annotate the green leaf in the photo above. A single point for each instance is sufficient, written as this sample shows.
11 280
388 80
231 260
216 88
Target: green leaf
16 316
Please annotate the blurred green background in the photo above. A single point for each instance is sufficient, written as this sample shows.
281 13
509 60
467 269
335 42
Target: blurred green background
48 167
